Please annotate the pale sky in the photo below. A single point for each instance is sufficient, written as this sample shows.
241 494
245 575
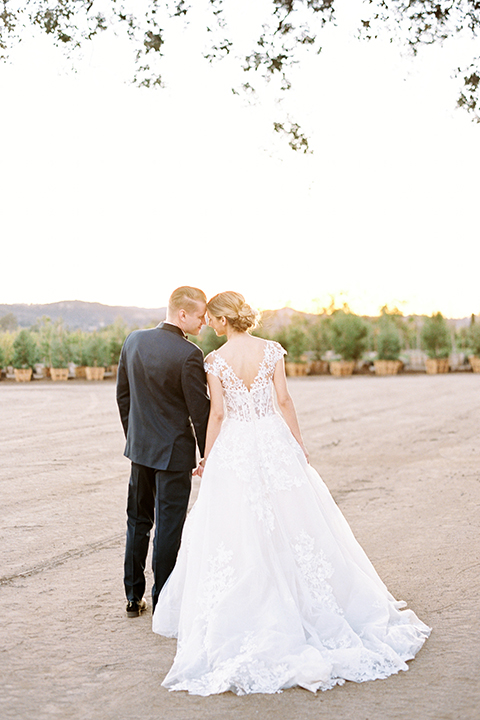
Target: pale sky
118 195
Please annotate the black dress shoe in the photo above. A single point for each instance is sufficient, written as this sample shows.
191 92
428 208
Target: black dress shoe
136 607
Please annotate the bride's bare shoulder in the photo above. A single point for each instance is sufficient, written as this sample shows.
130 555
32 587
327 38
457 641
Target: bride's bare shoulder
258 341
247 347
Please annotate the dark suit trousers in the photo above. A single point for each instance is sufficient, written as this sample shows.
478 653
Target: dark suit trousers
159 496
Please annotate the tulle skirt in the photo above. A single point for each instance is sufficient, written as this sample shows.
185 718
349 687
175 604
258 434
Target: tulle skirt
270 588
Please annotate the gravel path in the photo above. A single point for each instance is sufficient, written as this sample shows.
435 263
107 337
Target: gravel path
401 456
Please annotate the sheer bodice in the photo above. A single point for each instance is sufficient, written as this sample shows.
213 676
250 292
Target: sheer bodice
242 403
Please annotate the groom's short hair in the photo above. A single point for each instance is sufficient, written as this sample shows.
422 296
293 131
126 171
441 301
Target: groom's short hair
186 298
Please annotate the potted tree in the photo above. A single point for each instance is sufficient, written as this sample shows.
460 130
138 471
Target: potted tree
474 346
437 343
78 343
54 348
389 346
60 356
96 356
45 330
349 340
294 340
6 348
115 338
319 341
24 355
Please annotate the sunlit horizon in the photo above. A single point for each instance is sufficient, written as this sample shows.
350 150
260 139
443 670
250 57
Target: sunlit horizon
315 306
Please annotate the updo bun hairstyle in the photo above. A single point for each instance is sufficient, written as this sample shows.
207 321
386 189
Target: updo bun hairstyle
232 306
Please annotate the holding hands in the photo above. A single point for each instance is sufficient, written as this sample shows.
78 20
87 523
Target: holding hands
199 469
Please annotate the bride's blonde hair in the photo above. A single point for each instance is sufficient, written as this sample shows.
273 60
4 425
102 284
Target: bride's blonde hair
232 306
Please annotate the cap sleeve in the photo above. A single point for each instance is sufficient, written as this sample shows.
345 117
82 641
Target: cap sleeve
212 365
277 351
273 354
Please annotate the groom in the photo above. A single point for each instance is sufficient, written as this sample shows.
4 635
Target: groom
163 403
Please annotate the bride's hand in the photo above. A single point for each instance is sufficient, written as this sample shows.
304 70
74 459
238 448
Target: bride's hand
199 469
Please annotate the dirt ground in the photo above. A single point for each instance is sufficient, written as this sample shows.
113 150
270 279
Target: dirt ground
400 456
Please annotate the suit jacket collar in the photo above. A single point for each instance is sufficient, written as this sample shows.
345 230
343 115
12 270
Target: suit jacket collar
171 328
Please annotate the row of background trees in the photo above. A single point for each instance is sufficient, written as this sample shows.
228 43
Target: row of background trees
336 332
52 344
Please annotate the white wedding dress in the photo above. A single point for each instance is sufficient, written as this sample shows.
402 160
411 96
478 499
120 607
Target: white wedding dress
271 589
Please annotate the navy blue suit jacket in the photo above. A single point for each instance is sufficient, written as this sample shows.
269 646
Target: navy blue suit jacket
162 398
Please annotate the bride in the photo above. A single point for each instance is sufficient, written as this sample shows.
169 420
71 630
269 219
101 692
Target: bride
271 589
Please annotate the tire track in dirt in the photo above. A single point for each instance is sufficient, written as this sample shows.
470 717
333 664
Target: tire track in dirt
65 557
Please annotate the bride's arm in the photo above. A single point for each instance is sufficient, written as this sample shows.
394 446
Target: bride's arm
215 417
286 405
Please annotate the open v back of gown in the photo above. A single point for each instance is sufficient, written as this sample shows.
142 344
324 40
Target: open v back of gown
271 589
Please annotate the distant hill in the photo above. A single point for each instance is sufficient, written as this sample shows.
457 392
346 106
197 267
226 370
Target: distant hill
90 316
84 315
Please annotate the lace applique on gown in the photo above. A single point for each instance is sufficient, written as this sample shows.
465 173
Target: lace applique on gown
270 588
